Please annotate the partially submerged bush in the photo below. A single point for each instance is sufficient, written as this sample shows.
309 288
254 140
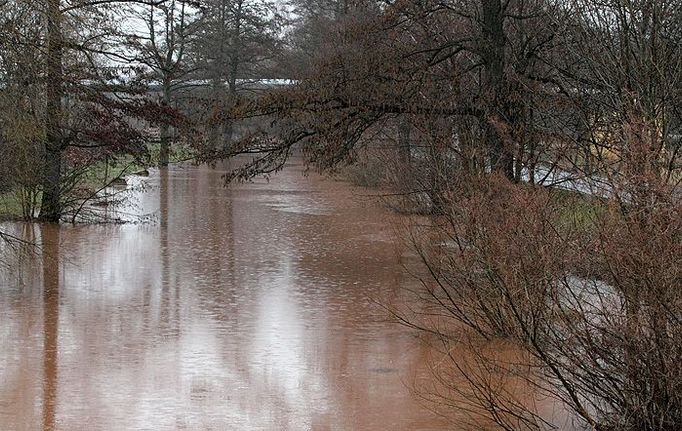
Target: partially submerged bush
595 312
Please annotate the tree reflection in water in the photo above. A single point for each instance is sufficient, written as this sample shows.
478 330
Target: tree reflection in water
50 255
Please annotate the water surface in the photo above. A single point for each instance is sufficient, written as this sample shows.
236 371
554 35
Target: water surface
241 308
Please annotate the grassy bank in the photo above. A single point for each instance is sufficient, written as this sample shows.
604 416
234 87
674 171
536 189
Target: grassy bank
578 211
22 202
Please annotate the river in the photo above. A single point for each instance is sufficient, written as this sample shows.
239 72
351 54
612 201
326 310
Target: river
252 307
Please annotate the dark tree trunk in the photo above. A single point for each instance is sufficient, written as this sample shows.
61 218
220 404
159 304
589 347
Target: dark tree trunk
235 60
164 149
228 125
404 138
51 206
213 128
501 156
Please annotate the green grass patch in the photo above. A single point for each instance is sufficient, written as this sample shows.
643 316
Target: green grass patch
577 210
179 152
10 206
19 204
23 203
104 172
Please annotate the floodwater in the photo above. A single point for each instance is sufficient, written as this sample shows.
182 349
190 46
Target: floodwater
244 308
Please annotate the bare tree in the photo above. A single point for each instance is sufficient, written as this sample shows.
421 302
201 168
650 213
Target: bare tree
237 39
21 110
164 49
84 107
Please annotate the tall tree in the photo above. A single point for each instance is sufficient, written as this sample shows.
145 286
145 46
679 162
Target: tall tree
50 208
309 30
164 48
469 62
237 41
21 102
86 107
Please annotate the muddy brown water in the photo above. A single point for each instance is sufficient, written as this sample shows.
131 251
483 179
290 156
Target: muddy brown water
242 308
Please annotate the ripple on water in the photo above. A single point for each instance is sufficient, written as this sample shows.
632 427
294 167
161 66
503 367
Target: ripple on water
244 308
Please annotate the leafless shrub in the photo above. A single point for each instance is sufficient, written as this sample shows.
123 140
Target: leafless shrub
503 261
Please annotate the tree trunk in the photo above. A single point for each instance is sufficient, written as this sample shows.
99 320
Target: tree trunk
214 130
228 125
164 149
51 206
501 156
235 60
404 138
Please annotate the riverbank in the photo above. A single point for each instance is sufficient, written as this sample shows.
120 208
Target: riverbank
92 182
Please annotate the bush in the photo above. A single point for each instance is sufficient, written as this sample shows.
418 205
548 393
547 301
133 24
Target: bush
590 302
